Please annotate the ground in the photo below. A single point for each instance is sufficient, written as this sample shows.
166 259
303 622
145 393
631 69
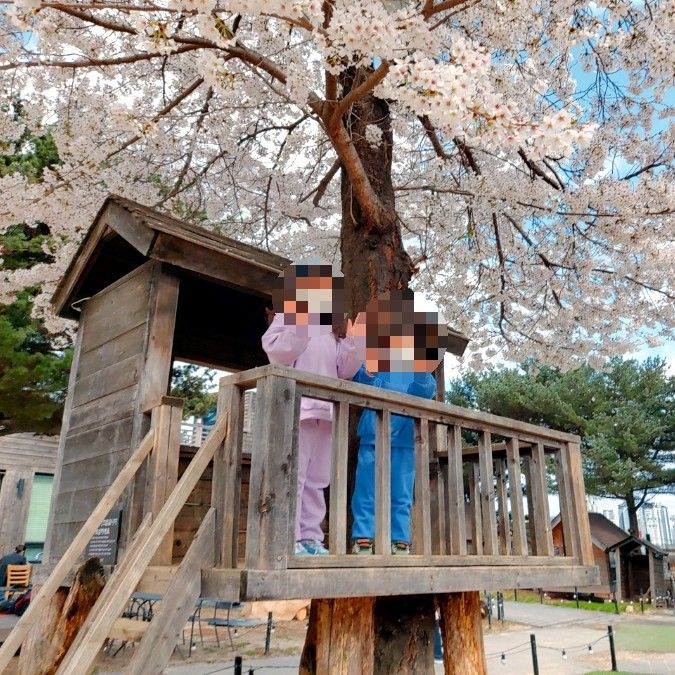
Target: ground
645 644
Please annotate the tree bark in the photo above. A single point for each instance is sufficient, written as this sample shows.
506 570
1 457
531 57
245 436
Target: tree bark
340 637
373 256
49 641
631 509
462 634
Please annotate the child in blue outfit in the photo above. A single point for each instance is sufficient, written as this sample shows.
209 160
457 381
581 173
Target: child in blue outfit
402 347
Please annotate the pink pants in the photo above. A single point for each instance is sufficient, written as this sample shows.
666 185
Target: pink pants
315 448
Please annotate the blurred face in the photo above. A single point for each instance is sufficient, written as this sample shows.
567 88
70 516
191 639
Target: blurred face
400 340
309 297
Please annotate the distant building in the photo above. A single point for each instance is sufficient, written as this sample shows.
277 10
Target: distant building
610 514
653 523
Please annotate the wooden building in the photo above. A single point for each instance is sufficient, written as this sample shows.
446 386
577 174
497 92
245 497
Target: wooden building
27 465
147 289
628 566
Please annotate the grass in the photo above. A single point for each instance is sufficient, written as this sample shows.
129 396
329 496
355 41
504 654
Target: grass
637 638
533 598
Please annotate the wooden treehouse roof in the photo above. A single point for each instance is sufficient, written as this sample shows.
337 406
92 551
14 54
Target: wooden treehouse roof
126 234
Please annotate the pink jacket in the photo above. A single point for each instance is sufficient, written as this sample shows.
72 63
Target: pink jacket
324 355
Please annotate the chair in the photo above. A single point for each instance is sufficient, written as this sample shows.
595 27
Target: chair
215 621
18 579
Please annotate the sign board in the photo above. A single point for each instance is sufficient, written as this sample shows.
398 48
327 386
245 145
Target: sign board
103 545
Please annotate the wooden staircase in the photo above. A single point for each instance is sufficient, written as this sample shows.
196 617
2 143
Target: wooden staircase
184 588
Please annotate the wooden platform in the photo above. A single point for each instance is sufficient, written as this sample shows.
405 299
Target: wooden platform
248 585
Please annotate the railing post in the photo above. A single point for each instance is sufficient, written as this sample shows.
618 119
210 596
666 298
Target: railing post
226 477
162 467
421 515
503 525
270 531
567 519
487 495
383 482
338 484
475 506
543 542
516 492
578 494
456 513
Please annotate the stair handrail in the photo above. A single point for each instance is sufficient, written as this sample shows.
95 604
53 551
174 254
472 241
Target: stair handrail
18 634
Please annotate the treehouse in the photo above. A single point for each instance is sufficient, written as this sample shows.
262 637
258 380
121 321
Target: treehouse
217 520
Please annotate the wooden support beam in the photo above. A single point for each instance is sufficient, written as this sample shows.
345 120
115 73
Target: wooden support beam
338 485
383 482
69 558
226 481
516 494
273 485
487 495
421 514
475 510
154 652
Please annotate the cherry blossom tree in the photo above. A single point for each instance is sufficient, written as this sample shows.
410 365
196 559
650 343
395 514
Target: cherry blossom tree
514 161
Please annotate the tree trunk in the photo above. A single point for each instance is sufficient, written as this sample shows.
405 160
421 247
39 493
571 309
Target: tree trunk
373 257
49 641
404 637
631 509
462 634
340 637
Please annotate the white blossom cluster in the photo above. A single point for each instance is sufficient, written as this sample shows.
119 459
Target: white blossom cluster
532 157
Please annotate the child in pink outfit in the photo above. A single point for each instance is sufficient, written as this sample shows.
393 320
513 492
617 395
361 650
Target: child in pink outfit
323 353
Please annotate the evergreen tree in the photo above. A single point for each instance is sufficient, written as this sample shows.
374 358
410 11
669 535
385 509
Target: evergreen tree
625 416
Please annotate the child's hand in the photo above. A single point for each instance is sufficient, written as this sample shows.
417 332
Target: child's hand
358 327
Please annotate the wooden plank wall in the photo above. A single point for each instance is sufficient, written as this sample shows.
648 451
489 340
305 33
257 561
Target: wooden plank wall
28 451
126 333
192 514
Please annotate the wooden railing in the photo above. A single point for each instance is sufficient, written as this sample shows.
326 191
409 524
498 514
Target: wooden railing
484 503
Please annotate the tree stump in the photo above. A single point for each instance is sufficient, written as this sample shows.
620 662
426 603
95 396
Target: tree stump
49 641
462 632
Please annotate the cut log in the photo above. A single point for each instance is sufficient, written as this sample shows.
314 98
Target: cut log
340 637
51 637
462 633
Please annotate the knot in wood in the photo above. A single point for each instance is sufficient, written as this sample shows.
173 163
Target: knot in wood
266 504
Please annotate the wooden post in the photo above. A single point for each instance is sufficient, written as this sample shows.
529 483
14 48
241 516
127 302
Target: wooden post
338 491
487 495
462 631
273 488
543 541
383 482
503 524
571 545
162 470
226 482
578 494
421 515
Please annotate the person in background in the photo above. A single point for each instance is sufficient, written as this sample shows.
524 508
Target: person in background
308 303
403 347
16 558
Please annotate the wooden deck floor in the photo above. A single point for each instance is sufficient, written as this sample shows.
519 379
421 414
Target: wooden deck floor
339 582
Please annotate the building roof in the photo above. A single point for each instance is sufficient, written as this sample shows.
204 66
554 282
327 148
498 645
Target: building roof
606 535
125 234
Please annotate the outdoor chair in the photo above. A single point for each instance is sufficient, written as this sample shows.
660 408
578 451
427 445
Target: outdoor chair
18 579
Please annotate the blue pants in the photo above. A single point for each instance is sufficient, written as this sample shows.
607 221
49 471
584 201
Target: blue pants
402 484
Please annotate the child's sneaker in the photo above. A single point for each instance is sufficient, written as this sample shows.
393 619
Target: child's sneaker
313 547
400 548
299 549
363 547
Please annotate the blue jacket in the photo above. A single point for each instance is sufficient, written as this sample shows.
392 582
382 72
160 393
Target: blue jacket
402 428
